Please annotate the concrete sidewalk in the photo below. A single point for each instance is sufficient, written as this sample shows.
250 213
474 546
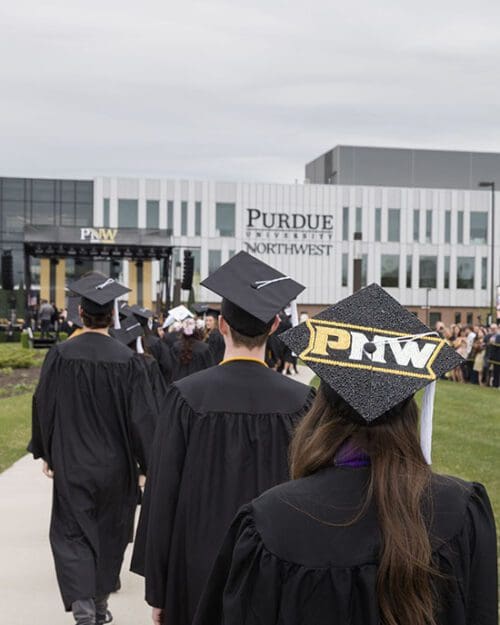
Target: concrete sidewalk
29 594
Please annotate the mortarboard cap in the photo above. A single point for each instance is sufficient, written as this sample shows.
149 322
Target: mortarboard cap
130 330
98 293
179 313
212 312
139 311
371 351
73 312
252 291
200 309
143 315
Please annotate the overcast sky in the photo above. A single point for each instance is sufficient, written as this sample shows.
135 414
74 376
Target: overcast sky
240 91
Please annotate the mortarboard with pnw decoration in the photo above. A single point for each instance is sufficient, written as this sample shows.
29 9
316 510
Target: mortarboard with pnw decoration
375 354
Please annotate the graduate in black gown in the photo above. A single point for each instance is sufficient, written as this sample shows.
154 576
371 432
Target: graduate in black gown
131 333
153 345
221 440
189 353
366 533
93 425
213 337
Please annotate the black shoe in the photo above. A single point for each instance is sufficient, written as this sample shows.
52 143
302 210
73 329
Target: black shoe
107 619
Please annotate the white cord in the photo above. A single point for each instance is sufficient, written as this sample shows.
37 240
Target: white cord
117 324
426 419
262 283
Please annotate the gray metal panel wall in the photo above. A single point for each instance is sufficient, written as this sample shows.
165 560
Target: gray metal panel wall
398 167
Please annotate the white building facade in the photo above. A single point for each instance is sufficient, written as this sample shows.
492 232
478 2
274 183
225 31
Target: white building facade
425 246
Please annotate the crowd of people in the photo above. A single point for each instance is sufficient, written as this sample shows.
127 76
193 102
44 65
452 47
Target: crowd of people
189 417
479 346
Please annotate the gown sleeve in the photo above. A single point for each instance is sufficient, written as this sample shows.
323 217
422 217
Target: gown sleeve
152 544
158 384
482 594
43 407
143 412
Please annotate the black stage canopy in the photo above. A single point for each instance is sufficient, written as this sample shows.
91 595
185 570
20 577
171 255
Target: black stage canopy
96 242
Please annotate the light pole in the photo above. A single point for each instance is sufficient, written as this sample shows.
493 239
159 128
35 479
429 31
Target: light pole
491 185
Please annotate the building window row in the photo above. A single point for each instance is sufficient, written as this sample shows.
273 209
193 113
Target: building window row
128 216
428 272
478 225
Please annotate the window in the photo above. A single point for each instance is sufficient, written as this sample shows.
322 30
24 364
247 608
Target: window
359 219
184 219
484 272
170 216
458 317
345 223
214 260
478 227
428 272
465 272
434 317
364 269
43 213
447 227
67 213
83 215
409 261
446 281
12 220
197 219
196 252
394 226
389 270
345 269
460 227
428 226
378 223
232 253
416 225
225 218
84 192
127 213
470 318
152 214
105 212
13 189
44 191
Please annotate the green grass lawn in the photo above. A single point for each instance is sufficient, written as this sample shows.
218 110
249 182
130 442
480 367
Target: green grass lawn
466 434
15 428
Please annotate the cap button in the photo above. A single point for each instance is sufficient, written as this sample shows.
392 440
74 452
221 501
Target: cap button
370 347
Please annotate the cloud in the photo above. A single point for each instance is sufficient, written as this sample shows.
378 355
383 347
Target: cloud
233 91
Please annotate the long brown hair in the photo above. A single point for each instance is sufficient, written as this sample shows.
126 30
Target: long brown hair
399 482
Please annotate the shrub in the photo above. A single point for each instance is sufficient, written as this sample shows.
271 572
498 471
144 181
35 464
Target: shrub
16 360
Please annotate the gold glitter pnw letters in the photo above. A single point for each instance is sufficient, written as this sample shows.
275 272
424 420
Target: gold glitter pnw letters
345 345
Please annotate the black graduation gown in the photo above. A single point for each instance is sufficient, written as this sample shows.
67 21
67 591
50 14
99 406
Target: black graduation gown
202 358
222 439
93 422
217 345
282 564
158 382
160 351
